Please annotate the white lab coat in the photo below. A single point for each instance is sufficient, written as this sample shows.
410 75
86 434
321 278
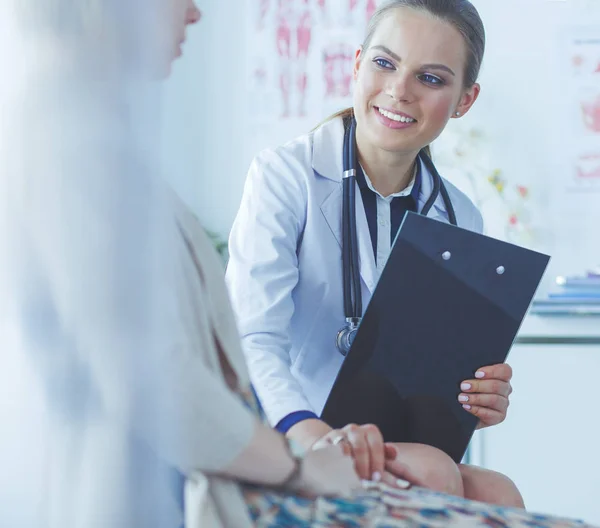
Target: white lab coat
285 269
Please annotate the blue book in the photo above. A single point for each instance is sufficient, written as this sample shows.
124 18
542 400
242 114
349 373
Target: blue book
575 295
565 309
567 300
578 282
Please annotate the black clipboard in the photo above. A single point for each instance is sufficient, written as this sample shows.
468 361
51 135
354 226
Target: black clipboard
448 302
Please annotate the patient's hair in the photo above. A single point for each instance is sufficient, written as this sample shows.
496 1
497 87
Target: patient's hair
461 14
104 33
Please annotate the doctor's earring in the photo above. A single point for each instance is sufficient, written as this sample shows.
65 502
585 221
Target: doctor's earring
457 114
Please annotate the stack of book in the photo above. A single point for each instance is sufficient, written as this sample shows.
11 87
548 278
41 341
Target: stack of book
577 295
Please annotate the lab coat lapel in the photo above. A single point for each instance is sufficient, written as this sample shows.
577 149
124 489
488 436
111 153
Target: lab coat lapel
327 152
332 210
438 211
328 142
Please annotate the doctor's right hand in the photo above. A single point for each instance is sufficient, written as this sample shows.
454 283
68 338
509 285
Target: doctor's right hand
366 446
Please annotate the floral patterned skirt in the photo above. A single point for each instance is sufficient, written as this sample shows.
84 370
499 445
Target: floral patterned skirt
381 506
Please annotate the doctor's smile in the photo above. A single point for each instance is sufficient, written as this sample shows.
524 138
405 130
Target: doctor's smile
394 119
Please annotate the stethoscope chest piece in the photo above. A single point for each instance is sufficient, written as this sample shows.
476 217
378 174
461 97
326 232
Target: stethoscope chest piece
346 335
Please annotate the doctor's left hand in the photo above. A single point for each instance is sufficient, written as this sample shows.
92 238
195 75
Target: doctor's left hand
486 396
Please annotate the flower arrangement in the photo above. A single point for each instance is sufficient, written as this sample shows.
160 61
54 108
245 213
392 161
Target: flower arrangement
515 197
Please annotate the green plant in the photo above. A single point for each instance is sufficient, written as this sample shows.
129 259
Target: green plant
220 245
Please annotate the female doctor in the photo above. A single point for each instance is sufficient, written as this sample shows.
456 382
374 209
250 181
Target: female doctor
416 69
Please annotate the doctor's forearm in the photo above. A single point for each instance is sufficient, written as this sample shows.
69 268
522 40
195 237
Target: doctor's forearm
307 432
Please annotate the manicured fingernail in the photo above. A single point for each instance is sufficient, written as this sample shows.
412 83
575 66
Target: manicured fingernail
467 407
404 484
376 476
465 386
463 398
480 374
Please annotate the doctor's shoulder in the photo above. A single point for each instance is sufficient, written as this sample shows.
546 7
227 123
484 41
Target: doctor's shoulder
289 165
319 150
468 215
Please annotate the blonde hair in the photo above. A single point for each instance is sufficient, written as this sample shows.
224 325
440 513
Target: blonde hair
83 18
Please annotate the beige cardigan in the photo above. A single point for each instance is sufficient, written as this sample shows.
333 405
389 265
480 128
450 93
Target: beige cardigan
118 465
215 425
205 424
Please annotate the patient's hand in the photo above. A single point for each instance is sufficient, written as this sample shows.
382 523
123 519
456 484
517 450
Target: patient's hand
487 395
307 432
326 472
365 444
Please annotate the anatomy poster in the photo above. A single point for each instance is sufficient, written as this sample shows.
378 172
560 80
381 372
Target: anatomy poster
583 91
585 79
300 57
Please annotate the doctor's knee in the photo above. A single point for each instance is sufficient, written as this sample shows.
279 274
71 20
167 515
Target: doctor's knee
490 486
440 473
431 468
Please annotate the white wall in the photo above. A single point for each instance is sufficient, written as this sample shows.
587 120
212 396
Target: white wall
209 140
205 154
527 108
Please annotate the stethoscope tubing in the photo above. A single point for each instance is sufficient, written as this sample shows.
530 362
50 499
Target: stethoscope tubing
350 261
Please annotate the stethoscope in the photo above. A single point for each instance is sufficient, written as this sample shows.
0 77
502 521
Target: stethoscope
350 267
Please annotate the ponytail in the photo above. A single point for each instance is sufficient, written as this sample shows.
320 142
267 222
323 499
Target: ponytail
344 114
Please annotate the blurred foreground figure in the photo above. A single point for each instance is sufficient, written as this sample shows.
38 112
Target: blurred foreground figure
85 240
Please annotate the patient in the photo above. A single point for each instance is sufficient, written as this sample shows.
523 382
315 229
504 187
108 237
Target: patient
240 471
